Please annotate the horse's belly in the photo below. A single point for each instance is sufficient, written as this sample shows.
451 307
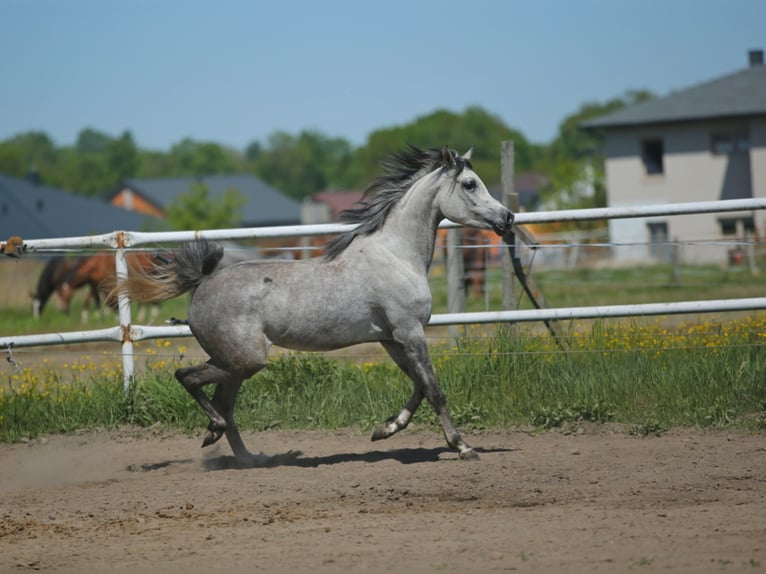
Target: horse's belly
325 335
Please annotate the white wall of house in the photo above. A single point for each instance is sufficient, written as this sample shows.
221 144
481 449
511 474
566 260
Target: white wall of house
691 172
758 164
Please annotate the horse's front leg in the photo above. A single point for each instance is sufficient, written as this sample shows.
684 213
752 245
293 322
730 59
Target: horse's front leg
397 422
412 357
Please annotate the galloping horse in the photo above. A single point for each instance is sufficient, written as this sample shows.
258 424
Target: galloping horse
371 285
53 274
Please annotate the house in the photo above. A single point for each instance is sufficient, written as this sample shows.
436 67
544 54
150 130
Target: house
32 210
325 206
528 185
703 143
264 206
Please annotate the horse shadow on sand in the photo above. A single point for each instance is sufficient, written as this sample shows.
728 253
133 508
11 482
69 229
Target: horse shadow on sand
295 458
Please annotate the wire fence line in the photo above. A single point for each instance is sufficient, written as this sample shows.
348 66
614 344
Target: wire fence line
446 351
126 333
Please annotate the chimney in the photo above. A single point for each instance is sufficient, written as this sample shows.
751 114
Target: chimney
755 57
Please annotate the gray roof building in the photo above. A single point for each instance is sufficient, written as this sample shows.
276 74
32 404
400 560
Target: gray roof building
739 94
35 211
703 143
265 206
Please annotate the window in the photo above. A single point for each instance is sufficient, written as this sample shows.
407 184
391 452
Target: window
728 143
730 225
651 154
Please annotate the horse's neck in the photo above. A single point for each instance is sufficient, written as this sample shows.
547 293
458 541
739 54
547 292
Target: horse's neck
410 229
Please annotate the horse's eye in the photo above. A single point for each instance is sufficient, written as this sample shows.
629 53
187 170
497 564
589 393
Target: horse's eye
469 184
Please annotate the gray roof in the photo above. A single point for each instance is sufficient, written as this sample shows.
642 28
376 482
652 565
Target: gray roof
739 94
265 205
36 211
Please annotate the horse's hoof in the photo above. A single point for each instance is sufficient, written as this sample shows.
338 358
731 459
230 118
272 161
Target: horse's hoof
212 437
379 433
469 454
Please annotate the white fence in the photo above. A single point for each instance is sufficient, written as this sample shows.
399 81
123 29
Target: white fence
126 333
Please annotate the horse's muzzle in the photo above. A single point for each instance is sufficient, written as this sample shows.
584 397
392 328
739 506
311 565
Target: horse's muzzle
503 226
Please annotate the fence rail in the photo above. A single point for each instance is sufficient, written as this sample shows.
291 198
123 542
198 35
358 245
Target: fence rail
126 333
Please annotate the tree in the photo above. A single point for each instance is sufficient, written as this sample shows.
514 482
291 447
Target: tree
28 152
197 210
303 165
122 157
473 128
91 141
12 161
204 158
84 174
575 159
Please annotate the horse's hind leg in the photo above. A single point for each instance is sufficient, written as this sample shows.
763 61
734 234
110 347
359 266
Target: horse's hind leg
196 377
224 401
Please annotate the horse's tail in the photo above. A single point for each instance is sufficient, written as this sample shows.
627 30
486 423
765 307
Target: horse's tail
165 279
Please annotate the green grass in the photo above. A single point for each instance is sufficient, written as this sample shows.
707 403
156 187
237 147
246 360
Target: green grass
19 320
648 377
621 286
642 373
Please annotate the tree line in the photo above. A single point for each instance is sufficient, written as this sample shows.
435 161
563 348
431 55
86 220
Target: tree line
303 164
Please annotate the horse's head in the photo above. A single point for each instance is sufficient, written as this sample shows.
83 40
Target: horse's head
463 197
64 295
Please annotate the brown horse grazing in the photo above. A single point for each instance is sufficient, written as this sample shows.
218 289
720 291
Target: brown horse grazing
51 277
95 271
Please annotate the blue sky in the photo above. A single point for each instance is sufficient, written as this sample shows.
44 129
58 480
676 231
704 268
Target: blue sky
235 71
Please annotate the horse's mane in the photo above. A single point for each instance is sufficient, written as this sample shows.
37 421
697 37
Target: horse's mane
402 170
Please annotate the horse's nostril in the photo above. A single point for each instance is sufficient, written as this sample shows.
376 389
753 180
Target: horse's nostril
509 217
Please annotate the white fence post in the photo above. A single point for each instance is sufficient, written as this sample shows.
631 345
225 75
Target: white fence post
126 327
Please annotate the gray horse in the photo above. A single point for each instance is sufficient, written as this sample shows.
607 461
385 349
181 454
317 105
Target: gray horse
371 285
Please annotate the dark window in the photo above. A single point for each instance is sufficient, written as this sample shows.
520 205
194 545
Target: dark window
729 225
651 153
727 143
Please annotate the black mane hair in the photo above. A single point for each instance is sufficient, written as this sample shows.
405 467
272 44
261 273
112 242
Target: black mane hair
402 170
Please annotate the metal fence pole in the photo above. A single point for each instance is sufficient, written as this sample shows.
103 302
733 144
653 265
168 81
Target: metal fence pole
507 177
455 275
123 305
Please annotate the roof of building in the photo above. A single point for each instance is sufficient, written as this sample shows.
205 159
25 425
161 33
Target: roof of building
528 184
739 94
338 201
37 211
264 204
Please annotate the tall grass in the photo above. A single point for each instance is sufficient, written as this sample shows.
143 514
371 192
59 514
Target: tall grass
644 375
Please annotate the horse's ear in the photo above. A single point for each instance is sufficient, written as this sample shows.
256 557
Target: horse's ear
467 155
448 158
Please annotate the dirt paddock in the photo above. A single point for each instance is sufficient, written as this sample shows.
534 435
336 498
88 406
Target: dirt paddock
147 500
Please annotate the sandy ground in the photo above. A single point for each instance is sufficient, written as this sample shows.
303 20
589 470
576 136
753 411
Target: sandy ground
601 500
